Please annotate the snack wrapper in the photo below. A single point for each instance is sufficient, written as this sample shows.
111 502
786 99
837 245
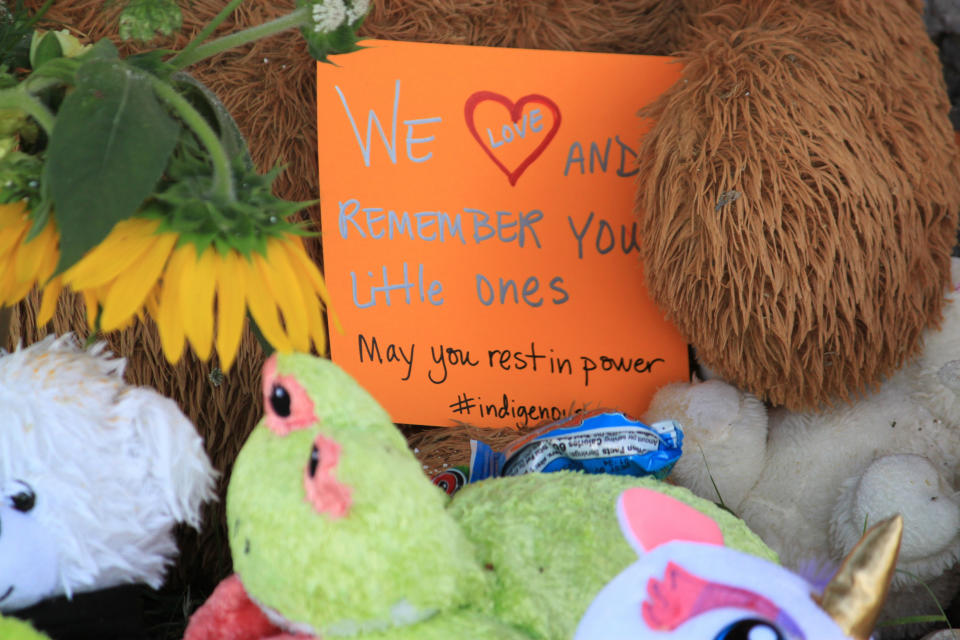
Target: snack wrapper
598 441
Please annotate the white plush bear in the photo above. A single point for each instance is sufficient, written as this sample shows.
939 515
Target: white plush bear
810 483
94 474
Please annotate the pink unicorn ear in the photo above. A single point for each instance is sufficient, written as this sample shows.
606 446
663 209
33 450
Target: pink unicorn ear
649 519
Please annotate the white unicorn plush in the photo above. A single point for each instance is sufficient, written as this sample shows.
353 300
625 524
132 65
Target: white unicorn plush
686 584
94 474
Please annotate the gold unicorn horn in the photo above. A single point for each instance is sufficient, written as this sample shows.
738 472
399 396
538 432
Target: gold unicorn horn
855 595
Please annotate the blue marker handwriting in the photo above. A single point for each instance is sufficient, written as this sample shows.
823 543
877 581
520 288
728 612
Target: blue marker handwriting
430 226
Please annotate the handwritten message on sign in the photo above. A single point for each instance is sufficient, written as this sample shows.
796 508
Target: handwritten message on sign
479 238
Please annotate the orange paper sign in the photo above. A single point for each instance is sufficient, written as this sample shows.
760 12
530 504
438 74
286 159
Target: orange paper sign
479 241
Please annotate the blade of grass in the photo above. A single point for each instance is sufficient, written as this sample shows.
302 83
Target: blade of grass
921 619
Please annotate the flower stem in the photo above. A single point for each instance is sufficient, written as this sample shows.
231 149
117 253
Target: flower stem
222 171
17 98
39 14
205 32
296 18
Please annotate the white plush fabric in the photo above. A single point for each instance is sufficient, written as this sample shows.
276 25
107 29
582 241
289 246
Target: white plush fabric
808 483
113 468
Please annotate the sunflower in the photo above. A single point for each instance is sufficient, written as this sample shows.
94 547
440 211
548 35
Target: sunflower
25 261
195 294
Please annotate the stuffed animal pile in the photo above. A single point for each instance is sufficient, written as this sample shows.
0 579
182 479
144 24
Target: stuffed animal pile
798 197
336 532
807 482
94 473
270 89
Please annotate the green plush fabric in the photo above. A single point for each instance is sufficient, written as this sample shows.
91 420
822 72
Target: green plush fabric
397 557
509 558
14 629
552 541
461 624
339 402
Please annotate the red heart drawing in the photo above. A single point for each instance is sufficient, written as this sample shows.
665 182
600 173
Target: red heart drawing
516 111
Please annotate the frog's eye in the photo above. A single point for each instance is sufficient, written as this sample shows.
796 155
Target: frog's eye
280 400
286 403
750 629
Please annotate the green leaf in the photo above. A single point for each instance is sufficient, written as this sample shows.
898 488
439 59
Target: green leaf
40 216
108 149
20 176
101 50
16 28
214 112
264 343
63 69
46 49
153 62
143 19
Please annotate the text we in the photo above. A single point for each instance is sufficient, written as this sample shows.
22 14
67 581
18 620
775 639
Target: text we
391 143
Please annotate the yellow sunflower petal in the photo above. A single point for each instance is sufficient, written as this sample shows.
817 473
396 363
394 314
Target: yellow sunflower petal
126 323
124 246
27 260
280 278
231 307
263 309
153 301
302 262
91 303
9 245
48 303
197 285
12 213
318 332
37 258
16 290
131 287
50 259
7 278
168 316
10 238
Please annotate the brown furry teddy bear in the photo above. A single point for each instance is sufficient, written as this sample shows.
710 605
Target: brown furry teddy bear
798 194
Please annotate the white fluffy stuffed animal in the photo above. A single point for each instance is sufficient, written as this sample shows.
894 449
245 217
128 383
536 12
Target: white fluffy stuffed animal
687 585
809 483
94 474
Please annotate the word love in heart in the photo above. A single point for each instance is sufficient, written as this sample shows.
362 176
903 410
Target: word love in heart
514 144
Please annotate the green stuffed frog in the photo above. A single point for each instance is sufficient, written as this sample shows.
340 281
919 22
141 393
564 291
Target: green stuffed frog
15 629
335 531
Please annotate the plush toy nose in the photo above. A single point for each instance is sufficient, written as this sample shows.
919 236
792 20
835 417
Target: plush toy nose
324 492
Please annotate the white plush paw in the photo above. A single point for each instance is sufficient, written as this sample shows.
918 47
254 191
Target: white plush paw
725 434
911 486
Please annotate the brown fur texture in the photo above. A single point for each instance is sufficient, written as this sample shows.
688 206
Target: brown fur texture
799 191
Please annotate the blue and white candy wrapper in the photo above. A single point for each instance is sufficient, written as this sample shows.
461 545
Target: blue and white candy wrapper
599 441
